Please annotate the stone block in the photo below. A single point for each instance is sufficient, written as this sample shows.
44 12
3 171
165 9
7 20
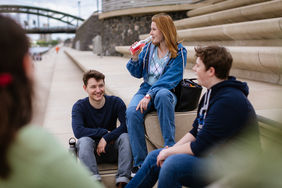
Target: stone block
272 59
212 33
271 9
266 10
97 45
183 124
222 6
87 31
257 30
253 30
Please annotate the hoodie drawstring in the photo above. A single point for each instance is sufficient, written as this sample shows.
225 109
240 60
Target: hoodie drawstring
203 111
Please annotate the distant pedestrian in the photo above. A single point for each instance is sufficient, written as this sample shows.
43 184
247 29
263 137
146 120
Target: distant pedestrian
57 49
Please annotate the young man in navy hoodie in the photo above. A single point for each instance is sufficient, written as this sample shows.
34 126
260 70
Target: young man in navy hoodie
94 123
226 119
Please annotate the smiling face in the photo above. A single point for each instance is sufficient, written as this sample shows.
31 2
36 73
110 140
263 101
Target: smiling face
95 89
157 36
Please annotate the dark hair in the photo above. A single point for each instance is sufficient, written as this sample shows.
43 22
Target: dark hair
16 97
93 74
217 57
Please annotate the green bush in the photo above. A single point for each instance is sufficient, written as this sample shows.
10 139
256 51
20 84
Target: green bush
43 43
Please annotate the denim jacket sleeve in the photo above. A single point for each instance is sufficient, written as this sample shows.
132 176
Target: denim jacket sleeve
173 73
137 68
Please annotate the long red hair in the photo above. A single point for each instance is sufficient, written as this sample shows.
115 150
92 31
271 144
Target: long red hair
165 23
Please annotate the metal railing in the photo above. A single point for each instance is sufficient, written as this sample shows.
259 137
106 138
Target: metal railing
44 30
112 5
270 122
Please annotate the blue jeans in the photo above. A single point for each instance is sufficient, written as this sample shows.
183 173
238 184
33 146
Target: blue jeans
164 102
119 151
177 171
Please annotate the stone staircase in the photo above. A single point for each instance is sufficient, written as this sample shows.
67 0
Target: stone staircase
252 33
251 30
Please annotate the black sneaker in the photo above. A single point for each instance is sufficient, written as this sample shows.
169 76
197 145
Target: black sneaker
135 170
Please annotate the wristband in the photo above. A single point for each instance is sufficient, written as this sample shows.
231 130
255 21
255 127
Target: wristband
147 96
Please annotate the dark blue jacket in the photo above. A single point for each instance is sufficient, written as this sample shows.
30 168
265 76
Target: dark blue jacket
230 121
173 71
95 123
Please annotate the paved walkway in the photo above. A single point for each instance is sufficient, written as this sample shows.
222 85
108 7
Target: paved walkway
59 86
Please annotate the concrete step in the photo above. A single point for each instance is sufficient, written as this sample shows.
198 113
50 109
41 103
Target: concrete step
265 10
266 32
230 4
256 63
183 124
108 172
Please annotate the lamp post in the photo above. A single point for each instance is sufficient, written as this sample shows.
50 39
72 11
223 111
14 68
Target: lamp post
78 10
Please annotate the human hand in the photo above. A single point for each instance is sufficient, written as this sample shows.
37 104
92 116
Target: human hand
143 104
162 156
101 146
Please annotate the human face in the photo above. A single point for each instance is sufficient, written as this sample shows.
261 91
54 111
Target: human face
157 36
95 90
202 73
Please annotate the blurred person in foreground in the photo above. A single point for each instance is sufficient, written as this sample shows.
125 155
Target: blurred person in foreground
29 156
225 119
266 172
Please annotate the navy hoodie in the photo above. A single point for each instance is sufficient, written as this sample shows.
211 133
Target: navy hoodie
226 118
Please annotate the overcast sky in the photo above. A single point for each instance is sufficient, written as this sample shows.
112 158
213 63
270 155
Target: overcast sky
87 7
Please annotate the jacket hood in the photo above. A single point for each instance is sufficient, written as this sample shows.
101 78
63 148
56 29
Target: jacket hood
152 47
232 82
180 46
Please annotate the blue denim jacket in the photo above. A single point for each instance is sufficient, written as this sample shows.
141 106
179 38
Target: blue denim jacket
171 76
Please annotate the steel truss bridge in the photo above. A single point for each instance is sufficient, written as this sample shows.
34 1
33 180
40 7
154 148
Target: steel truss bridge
69 19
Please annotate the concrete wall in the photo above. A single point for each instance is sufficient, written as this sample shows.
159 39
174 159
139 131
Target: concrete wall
87 31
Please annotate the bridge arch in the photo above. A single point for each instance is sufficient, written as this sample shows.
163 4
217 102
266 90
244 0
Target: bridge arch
57 15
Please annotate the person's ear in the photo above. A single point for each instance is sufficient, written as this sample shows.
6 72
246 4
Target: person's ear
28 66
211 71
84 87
